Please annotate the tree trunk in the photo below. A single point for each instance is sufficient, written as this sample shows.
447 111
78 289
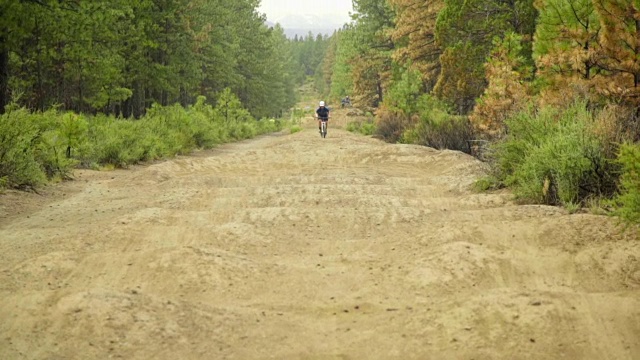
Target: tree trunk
4 74
636 75
79 107
40 84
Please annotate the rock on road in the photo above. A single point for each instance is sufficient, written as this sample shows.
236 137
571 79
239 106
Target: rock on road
297 247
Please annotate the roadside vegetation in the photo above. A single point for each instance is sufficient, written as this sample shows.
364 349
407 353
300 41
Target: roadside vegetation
101 84
36 147
547 92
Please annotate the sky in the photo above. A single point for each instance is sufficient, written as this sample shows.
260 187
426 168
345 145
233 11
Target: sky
275 9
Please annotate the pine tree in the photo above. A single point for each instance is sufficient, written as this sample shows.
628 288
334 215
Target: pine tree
342 74
462 77
374 21
567 48
507 92
324 72
465 30
415 32
620 41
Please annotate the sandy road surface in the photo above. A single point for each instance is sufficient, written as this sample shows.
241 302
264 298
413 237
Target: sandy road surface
295 247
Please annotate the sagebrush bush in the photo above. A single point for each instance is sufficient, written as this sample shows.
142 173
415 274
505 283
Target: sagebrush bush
20 142
203 131
353 126
365 127
615 125
118 142
35 147
368 128
53 155
552 156
436 127
447 132
629 198
390 125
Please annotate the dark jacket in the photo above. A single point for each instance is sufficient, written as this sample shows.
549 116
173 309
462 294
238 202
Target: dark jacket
323 113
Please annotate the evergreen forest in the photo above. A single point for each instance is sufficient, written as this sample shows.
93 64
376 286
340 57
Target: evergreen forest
110 83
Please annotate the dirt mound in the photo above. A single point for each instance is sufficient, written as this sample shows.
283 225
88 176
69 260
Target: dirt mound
300 247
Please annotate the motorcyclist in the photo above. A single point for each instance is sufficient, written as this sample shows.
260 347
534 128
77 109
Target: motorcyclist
346 101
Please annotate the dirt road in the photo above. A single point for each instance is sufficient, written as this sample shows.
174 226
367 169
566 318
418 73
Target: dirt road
297 247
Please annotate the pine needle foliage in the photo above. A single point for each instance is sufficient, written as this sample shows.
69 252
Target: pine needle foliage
508 87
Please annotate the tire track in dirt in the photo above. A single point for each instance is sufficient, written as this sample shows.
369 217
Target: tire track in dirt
300 247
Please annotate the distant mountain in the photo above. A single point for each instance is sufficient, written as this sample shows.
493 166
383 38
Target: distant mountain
301 25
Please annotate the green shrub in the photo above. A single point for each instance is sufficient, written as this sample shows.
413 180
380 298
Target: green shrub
35 147
72 130
437 128
203 132
399 108
119 142
487 183
20 138
551 156
53 155
390 125
66 137
365 127
368 128
174 126
629 199
272 125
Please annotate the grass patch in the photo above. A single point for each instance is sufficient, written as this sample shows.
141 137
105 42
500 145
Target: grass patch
487 183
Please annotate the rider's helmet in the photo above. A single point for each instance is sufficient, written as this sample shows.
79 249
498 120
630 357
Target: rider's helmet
321 103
